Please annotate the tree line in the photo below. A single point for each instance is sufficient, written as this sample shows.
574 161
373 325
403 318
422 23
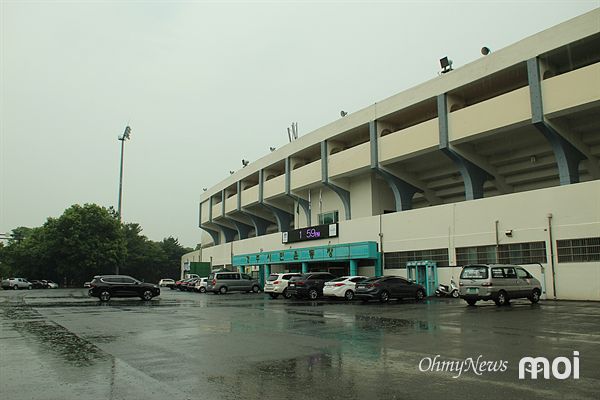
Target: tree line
85 241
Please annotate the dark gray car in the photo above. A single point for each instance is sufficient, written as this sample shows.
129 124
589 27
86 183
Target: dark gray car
384 288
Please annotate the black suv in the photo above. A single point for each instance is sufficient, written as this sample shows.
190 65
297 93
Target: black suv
106 286
309 285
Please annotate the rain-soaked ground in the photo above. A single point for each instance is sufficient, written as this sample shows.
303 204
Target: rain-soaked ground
60 344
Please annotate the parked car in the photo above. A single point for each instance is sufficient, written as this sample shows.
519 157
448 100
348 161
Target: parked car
35 284
50 284
223 282
201 285
309 285
181 282
499 283
105 287
344 287
166 282
277 284
384 288
188 285
16 283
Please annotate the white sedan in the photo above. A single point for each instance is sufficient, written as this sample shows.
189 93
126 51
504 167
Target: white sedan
51 285
344 286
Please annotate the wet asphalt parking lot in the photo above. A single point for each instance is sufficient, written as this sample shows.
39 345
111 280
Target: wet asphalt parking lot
61 344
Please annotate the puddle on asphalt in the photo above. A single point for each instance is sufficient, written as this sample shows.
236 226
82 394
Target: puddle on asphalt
369 322
53 338
331 375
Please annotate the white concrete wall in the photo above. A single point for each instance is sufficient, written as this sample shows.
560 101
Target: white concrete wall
383 197
361 196
330 202
575 213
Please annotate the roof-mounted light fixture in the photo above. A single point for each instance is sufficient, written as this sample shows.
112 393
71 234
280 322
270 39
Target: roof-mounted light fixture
446 64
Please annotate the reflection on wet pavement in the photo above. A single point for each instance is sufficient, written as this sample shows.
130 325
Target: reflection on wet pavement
189 346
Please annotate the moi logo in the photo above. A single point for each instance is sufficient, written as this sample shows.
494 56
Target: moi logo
561 367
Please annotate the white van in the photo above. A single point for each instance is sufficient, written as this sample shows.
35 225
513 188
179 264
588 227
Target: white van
499 283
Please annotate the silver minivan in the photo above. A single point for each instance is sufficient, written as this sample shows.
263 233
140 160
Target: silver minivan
223 282
498 282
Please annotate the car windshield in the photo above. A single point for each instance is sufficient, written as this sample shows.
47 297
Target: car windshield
272 277
340 279
474 272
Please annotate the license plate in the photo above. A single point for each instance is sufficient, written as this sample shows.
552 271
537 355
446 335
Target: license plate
292 285
473 290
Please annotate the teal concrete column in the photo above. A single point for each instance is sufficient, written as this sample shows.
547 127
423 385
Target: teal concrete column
378 265
304 267
241 269
261 275
353 267
267 271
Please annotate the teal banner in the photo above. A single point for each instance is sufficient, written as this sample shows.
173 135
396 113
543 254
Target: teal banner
339 252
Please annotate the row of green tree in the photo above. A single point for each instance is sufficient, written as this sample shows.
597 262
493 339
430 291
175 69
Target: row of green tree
85 241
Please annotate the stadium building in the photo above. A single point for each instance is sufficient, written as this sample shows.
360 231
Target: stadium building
495 161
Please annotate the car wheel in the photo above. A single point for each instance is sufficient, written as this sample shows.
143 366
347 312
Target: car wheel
16 287
501 299
104 295
202 289
349 295
29 287
223 289
420 295
286 295
255 289
274 295
471 302
147 295
455 294
535 296
313 294
384 297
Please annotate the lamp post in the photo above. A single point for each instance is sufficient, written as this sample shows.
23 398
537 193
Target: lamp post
122 138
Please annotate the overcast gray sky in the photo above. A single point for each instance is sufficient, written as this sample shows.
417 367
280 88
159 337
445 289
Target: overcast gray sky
205 84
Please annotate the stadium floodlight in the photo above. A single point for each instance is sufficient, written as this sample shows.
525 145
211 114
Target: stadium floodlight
446 64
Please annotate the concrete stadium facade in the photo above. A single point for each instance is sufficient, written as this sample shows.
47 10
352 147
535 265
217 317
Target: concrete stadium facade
495 161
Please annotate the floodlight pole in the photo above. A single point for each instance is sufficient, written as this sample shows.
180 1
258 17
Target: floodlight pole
122 138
